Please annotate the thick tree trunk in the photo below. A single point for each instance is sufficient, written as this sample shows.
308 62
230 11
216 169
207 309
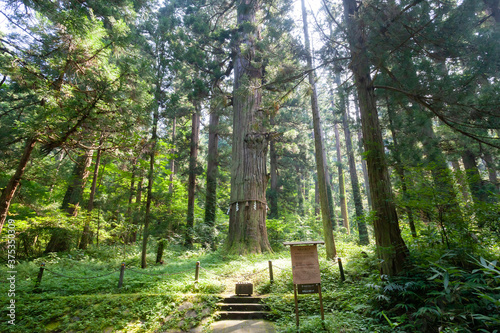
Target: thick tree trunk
84 241
73 195
492 170
317 209
12 185
147 217
273 194
326 217
247 218
329 185
361 151
391 248
212 172
476 185
340 170
356 193
193 156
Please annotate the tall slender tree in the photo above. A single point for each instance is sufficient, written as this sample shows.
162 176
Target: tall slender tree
321 169
353 173
212 171
340 171
193 155
152 152
391 248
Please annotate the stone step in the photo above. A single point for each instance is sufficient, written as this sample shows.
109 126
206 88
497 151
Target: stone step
242 307
242 299
242 315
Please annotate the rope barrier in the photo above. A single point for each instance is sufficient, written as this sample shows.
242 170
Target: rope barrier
246 276
81 278
335 263
206 270
283 269
159 274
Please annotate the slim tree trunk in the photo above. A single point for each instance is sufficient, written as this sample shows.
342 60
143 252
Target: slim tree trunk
133 234
13 184
154 139
172 159
391 248
84 241
247 218
460 179
212 172
401 170
300 192
356 193
326 217
193 156
138 199
329 185
73 195
494 8
340 170
131 192
449 207
60 159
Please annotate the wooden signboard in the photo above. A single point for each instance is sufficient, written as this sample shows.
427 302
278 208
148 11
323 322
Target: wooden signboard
305 264
305 270
308 288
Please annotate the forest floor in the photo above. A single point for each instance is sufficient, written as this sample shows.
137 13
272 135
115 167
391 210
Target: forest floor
79 292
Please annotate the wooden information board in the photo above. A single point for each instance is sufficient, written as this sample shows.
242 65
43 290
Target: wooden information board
306 274
305 264
308 288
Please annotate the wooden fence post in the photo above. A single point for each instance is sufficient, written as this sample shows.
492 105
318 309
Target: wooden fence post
39 277
122 273
341 268
271 278
197 272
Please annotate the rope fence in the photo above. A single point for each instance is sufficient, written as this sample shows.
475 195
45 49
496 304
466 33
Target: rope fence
198 266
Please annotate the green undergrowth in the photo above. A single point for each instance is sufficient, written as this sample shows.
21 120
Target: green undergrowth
160 298
441 291
346 303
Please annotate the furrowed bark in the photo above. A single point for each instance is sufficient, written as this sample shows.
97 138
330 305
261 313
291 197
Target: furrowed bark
247 217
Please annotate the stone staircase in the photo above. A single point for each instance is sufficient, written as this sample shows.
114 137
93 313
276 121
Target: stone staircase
243 307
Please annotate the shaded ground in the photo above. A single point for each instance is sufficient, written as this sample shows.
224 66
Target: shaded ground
242 326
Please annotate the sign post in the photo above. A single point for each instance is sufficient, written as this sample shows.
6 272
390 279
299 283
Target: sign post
305 270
